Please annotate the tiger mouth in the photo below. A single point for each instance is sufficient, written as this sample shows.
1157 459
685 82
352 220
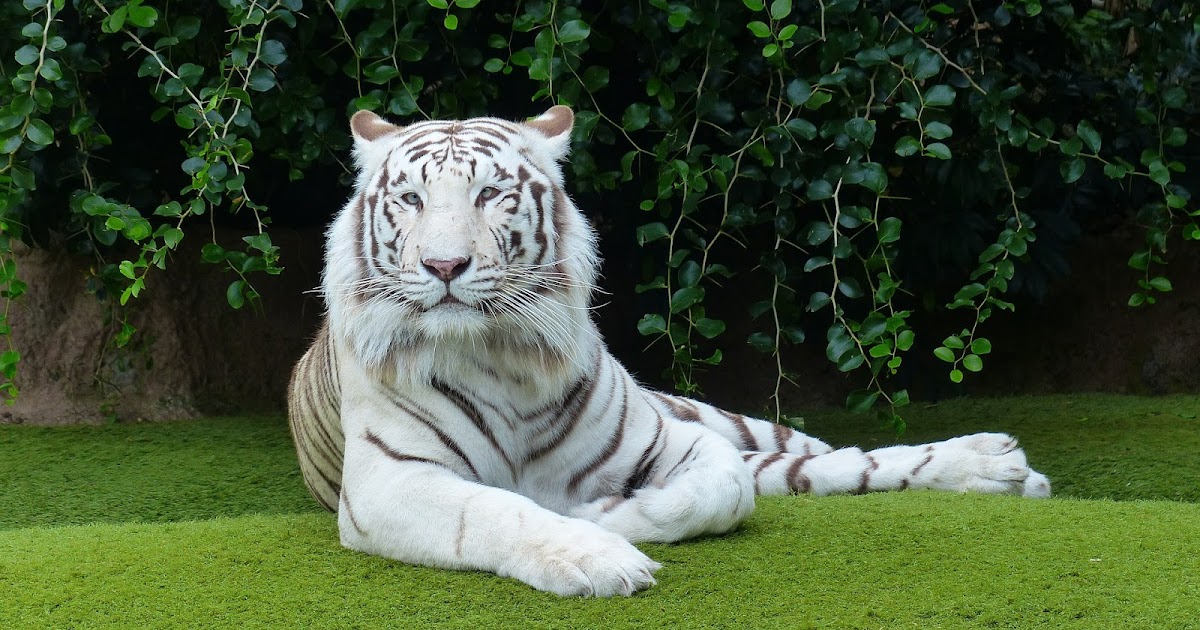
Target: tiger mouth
449 300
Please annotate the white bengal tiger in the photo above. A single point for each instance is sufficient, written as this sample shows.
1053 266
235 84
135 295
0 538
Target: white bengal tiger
458 408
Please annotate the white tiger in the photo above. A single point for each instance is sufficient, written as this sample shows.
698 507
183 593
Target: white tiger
458 408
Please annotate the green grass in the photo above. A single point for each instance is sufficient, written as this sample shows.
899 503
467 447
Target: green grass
148 472
206 524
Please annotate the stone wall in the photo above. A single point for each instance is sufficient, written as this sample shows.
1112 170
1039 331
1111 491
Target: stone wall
194 355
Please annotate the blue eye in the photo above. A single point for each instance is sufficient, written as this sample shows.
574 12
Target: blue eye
489 192
411 198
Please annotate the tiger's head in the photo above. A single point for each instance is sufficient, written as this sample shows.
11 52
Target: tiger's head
459 232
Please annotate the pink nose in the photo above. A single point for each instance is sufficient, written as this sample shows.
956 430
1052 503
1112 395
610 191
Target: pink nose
447 270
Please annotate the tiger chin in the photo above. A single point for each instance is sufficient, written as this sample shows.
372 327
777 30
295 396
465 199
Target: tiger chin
459 409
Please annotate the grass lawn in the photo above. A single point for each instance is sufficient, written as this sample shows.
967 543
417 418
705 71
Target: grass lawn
206 524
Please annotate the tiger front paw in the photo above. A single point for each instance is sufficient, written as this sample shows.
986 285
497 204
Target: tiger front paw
579 558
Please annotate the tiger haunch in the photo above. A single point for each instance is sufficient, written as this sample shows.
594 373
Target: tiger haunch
459 409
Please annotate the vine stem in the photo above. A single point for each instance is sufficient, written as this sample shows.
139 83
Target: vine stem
939 53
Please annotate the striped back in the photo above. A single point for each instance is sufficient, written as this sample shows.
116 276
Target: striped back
314 397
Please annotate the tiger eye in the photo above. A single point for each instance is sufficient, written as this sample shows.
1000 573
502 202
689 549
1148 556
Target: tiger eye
411 198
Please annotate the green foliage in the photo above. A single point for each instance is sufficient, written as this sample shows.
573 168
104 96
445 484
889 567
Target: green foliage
814 137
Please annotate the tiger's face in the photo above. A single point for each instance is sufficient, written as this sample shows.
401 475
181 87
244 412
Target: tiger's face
461 230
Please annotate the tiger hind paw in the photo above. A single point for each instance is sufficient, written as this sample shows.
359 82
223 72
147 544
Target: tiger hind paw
989 463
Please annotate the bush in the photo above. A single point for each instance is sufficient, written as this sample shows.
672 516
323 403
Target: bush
871 157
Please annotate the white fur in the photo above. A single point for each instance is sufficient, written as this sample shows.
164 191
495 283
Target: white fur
447 409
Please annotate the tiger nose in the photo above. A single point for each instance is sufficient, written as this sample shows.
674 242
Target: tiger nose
447 270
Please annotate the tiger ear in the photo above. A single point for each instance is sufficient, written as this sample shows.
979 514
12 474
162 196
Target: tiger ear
368 126
555 126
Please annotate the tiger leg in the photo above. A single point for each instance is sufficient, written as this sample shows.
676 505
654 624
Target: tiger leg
746 433
698 485
415 509
969 463
983 462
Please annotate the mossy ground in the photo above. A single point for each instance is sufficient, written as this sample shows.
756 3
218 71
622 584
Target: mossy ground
206 524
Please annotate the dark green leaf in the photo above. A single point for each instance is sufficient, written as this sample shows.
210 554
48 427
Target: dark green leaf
273 52
907 146
27 55
50 70
937 150
816 262
1071 171
235 294
710 328
849 288
652 324
817 232
938 131
39 132
685 298
1161 284
636 117
573 31
689 273
142 16
261 80
819 190
839 345
801 128
1089 135
850 361
928 64
1159 174
861 130
940 95
862 400
972 362
761 342
651 232
889 230
759 29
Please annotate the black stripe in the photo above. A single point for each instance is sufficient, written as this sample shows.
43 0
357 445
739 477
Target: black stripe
767 461
865 480
394 454
610 449
645 464
797 482
572 410
739 423
419 414
350 513
472 412
680 411
685 459
782 435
